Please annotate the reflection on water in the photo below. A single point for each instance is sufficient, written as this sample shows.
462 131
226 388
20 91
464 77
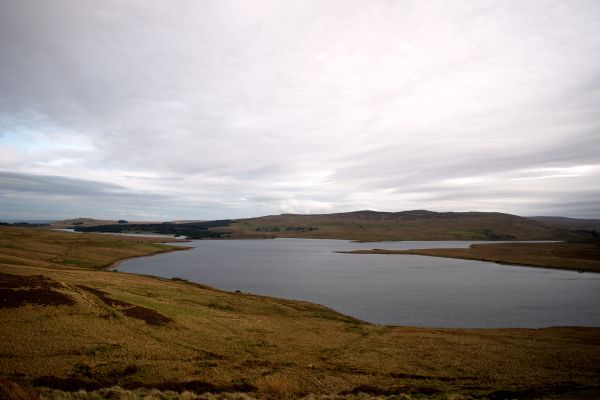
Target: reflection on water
388 289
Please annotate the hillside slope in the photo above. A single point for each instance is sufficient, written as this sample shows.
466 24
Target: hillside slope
570 223
406 225
72 328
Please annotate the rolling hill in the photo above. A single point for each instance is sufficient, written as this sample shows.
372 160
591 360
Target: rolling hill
364 225
406 225
570 223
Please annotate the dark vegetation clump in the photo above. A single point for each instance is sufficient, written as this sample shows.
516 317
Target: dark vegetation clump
12 390
491 235
268 229
10 298
24 225
378 391
10 281
100 374
17 291
147 315
586 233
287 229
193 230
301 228
198 386
98 381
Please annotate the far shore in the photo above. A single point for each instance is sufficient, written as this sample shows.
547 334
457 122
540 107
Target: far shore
575 256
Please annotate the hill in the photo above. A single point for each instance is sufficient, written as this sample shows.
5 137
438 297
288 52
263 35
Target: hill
67 324
406 225
360 225
192 230
91 222
571 223
75 222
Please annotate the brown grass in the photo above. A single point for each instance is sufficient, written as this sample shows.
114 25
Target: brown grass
45 248
264 346
581 256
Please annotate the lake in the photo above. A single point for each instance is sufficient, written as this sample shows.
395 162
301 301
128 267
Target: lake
405 290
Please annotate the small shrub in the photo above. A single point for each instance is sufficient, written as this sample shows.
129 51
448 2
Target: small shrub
278 387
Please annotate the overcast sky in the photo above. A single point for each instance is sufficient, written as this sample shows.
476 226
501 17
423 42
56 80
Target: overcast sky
206 109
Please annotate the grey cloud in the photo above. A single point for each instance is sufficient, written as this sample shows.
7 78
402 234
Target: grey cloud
269 107
42 197
28 183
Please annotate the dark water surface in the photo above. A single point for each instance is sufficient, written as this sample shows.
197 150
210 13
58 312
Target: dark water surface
387 289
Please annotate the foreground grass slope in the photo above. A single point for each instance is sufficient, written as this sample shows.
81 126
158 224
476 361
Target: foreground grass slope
110 328
406 225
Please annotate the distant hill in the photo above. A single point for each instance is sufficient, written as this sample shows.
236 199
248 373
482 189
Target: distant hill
72 223
363 225
192 230
91 222
406 225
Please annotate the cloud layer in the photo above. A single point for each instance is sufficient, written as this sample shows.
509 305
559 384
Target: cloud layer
228 108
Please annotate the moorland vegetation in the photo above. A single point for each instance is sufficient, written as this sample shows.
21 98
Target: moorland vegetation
71 328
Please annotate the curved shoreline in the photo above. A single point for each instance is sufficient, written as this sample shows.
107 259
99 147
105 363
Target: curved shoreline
513 264
113 265
579 257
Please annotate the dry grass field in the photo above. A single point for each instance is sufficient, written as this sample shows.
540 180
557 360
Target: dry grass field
51 249
581 256
70 329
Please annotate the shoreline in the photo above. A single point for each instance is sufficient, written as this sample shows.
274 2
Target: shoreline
113 265
513 264
342 314
448 253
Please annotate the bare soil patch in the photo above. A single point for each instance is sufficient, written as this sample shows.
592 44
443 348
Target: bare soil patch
17 291
147 315
9 281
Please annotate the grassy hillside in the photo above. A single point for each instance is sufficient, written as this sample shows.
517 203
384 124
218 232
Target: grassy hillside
74 222
581 256
407 225
50 249
571 223
88 329
359 225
